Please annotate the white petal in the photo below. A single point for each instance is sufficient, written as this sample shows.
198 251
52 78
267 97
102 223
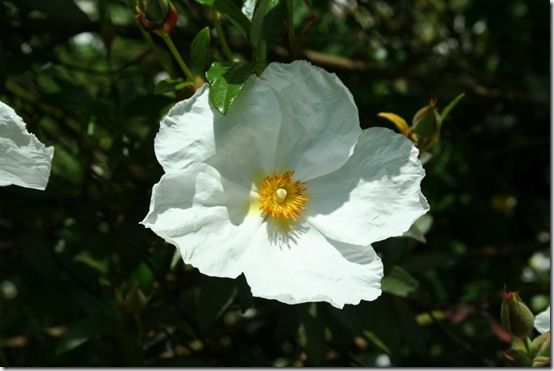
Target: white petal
542 321
246 138
240 144
205 216
186 132
375 195
320 123
24 160
303 266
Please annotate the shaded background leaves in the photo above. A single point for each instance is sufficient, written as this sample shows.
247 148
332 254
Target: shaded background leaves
82 284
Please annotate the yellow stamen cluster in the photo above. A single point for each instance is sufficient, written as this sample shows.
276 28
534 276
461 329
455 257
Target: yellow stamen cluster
282 197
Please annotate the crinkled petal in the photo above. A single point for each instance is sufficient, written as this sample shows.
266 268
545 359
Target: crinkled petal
24 160
186 133
320 123
542 321
246 138
375 195
205 216
241 144
303 266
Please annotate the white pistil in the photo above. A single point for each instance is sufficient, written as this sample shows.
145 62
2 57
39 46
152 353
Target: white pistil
281 194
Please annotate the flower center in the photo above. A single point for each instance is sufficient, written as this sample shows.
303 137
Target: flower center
282 197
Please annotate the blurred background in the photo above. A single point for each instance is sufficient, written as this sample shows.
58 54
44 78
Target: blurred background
83 284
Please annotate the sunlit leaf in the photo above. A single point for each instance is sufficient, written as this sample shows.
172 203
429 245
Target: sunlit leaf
226 81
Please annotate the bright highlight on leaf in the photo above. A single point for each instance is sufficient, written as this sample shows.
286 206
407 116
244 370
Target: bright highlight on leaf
292 143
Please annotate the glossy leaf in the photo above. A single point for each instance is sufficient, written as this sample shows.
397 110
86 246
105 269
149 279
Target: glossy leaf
226 82
267 22
200 51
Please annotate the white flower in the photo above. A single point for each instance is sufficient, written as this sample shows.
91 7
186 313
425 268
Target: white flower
542 321
24 160
286 188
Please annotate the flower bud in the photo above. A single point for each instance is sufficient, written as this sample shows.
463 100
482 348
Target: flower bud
540 361
515 315
540 346
426 125
159 16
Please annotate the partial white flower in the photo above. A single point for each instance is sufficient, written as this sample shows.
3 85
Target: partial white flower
542 321
286 188
24 160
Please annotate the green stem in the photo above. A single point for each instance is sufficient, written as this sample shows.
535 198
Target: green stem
526 344
163 62
290 28
177 57
221 37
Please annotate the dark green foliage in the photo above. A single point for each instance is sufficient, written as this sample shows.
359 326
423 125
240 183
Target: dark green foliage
83 284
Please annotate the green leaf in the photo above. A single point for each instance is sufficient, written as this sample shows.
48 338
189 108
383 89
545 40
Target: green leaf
169 85
267 22
450 106
226 82
81 332
399 282
216 294
143 276
228 8
419 229
371 337
200 51
67 166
